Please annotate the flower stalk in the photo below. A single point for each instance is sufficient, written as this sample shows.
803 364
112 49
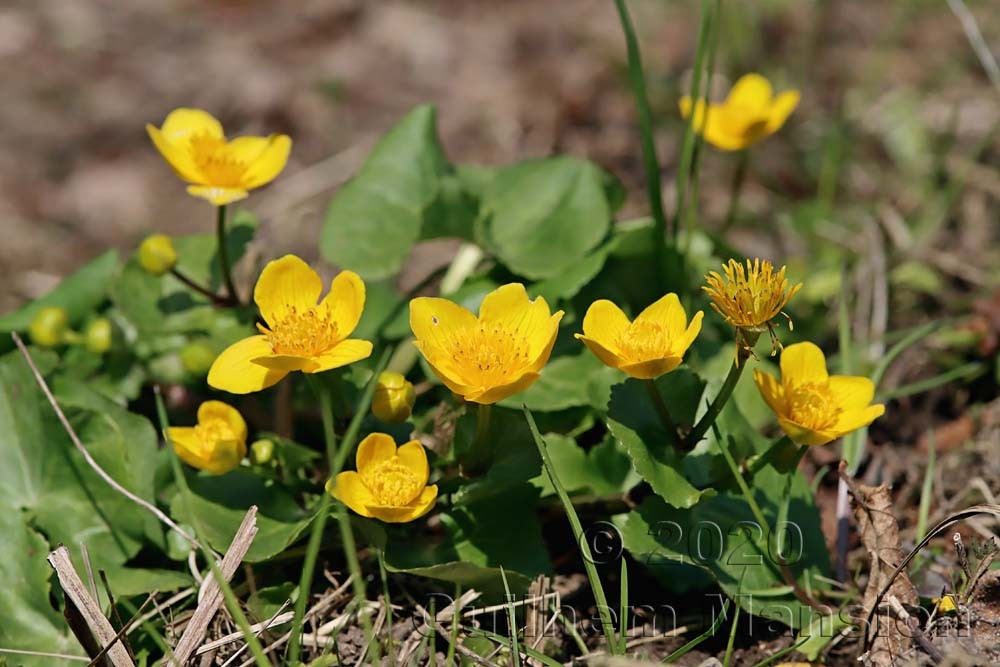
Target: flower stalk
661 409
223 251
707 420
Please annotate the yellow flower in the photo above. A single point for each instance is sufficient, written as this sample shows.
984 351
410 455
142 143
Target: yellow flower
157 254
486 359
301 334
390 484
219 170
217 444
647 348
750 298
750 113
813 407
394 398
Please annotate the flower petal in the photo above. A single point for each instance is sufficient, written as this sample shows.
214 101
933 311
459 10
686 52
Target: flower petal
752 94
444 369
181 124
414 456
505 302
346 352
177 156
217 196
607 357
419 507
782 107
529 320
494 394
689 335
350 490
852 420
374 449
224 455
345 301
269 162
718 130
801 363
668 312
770 390
284 362
541 342
805 436
653 368
434 320
852 392
235 372
187 445
210 410
700 108
285 284
604 323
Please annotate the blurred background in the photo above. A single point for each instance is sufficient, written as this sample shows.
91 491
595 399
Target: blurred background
895 103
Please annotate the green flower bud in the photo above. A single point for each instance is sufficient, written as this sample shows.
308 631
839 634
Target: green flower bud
394 398
157 254
98 336
49 327
261 452
197 358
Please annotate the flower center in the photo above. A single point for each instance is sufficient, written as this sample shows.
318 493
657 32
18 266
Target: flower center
812 405
216 161
391 483
306 334
643 341
489 352
749 297
214 431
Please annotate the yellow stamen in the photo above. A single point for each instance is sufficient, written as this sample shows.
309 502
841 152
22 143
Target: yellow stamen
306 334
750 298
813 406
643 340
391 483
490 352
216 162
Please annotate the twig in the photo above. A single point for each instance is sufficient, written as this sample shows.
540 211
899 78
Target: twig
86 454
976 40
43 654
258 630
212 598
77 594
914 626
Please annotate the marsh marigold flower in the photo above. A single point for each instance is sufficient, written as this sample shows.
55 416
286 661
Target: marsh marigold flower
394 398
813 407
646 348
302 333
217 444
750 113
487 358
218 169
749 298
390 484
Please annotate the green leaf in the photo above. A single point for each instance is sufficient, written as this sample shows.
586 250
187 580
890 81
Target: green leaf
476 543
375 218
546 215
79 294
636 425
128 581
27 620
564 384
221 502
514 457
568 283
603 470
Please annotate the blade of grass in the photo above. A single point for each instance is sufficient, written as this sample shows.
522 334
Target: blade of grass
927 489
388 603
450 657
603 610
693 644
232 604
623 608
528 651
732 637
323 511
965 371
511 620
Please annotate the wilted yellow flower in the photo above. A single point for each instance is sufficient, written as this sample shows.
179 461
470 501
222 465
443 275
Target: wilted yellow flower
750 298
813 407
217 444
49 326
219 170
394 398
390 484
945 604
647 348
498 354
157 254
302 333
750 113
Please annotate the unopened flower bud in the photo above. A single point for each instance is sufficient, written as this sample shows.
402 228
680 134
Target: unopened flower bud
157 254
49 327
98 336
197 358
261 452
394 398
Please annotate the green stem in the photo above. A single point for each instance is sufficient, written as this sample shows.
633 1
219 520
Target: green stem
477 457
388 602
336 459
200 289
232 604
223 250
708 419
661 409
736 188
357 580
581 539
650 161
785 499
